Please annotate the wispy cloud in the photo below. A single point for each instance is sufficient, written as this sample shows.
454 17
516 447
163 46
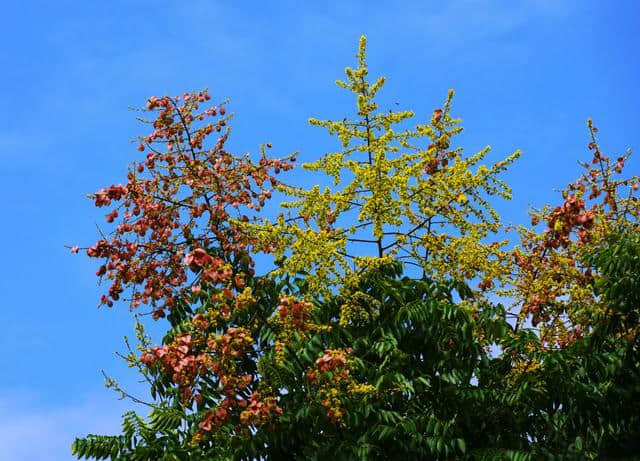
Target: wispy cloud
463 20
14 145
31 431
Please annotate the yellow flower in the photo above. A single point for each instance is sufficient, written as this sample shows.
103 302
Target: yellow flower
398 191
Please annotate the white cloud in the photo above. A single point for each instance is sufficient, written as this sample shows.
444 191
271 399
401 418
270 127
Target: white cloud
31 430
459 21
14 146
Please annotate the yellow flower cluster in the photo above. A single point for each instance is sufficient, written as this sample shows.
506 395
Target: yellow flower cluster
334 382
358 306
245 298
360 389
423 202
522 366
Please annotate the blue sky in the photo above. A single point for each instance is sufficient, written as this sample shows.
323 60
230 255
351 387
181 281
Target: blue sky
527 75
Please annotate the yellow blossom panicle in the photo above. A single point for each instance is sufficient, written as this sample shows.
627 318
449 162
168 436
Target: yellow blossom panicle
332 378
397 191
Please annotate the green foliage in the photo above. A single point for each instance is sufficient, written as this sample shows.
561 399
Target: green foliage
422 357
582 400
160 437
333 356
439 393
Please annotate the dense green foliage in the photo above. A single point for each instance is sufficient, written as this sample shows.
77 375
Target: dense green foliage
439 393
336 354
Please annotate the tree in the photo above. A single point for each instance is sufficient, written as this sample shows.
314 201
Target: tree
355 355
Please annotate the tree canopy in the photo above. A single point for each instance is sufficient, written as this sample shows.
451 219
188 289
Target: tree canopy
376 333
